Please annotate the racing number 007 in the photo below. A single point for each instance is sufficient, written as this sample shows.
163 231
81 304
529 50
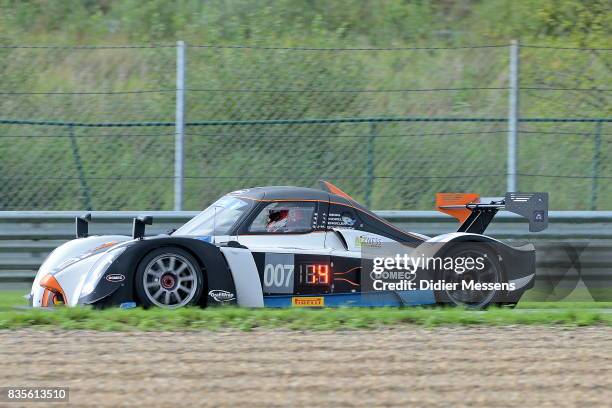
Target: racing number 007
278 275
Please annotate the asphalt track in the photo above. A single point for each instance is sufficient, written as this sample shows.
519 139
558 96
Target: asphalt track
409 366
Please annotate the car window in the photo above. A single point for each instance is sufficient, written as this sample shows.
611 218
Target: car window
217 219
284 217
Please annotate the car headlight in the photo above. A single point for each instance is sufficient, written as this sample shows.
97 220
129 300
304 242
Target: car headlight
98 269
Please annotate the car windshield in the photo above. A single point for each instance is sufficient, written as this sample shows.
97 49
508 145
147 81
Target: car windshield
217 219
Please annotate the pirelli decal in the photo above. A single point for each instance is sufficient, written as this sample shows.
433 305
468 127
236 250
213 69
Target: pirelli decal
308 301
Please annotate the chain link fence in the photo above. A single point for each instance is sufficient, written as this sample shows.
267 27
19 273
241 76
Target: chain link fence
94 127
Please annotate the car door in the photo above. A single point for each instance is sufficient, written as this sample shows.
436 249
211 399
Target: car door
348 243
288 244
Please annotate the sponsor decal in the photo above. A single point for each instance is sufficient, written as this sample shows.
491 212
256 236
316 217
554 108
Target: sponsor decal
344 220
538 216
348 219
115 277
221 295
393 275
205 238
365 241
308 301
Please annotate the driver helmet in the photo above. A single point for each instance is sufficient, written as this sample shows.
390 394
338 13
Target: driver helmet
277 219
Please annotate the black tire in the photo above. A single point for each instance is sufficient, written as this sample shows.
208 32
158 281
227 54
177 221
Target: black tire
492 272
169 277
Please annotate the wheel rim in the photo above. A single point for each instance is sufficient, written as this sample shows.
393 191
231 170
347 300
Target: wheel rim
170 281
474 298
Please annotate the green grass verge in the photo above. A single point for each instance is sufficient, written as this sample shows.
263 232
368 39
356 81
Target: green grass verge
571 314
564 305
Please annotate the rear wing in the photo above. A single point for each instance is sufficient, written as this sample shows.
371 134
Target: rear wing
476 213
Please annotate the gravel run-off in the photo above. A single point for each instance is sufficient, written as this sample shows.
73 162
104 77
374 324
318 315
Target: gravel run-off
408 366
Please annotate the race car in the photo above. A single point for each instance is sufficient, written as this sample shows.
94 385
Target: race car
294 246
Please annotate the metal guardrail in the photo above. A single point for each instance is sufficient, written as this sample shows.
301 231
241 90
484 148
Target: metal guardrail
27 237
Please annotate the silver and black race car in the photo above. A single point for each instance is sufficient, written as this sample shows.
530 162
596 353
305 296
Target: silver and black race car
291 246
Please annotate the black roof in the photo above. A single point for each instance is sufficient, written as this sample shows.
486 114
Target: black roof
292 193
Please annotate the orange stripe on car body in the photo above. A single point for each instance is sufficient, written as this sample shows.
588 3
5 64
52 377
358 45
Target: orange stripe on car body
335 190
346 280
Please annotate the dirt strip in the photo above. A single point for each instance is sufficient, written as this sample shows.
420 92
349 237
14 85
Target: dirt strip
411 366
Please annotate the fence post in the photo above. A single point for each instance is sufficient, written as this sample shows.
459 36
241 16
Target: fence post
85 191
513 106
179 138
370 166
596 159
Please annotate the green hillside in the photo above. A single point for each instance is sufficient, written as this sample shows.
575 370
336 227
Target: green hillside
308 22
419 59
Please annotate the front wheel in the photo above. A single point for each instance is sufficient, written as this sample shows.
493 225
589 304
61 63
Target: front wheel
169 278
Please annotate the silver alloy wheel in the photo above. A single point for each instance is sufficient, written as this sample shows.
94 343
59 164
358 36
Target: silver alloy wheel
170 281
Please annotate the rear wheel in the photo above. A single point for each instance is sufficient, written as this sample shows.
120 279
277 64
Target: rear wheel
169 278
467 283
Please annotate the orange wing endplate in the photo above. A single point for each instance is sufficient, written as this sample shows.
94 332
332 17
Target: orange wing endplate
456 199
